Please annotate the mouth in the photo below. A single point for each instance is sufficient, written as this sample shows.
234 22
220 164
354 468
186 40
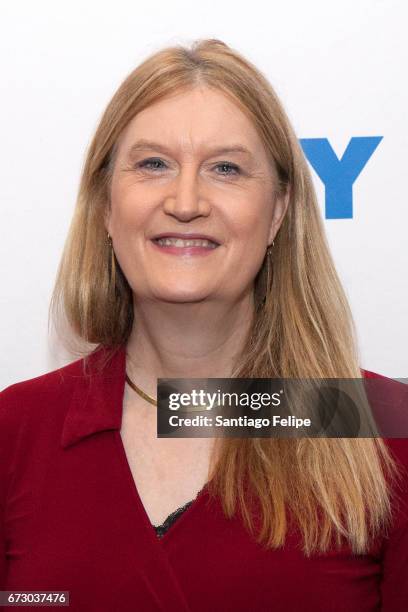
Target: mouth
185 245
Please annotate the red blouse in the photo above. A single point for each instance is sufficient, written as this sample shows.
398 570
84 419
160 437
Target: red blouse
71 520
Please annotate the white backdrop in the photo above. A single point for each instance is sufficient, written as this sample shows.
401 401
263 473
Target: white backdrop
339 69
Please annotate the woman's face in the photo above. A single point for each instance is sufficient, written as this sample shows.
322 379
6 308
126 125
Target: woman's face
192 164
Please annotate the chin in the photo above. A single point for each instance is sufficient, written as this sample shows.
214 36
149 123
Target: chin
181 296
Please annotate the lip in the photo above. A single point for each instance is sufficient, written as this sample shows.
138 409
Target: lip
186 236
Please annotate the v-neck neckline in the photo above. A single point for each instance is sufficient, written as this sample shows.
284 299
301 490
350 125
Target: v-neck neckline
187 515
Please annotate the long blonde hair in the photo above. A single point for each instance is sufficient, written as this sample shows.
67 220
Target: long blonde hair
335 488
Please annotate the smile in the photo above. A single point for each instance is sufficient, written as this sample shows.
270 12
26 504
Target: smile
191 242
186 247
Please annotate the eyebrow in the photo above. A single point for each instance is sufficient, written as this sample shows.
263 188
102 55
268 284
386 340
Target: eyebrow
144 144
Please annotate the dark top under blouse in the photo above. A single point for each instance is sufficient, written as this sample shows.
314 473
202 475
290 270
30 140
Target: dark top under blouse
165 526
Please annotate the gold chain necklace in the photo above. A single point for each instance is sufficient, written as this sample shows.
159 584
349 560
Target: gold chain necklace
139 391
151 399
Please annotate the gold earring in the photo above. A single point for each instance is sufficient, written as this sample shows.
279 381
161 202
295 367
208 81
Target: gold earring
112 271
270 248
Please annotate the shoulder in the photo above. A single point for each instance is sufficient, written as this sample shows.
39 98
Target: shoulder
388 399
38 388
40 399
35 396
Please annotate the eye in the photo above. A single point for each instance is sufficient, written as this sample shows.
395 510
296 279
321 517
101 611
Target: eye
228 169
153 163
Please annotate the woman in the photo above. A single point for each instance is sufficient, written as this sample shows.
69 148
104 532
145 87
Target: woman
196 251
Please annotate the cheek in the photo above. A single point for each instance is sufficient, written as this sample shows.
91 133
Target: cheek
127 210
251 220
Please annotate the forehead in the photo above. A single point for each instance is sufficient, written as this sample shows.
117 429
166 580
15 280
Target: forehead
193 121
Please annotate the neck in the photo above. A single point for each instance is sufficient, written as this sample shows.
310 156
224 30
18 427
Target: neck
189 340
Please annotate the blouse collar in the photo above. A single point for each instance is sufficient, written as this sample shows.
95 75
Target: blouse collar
97 398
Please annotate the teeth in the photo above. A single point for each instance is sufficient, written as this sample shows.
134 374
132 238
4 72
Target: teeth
179 242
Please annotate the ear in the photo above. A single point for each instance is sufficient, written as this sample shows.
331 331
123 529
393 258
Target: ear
279 210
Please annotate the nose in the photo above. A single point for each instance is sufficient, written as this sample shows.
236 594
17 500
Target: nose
185 199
